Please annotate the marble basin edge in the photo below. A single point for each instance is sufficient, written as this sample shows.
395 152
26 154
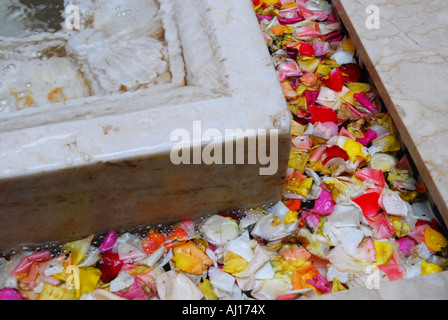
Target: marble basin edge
101 163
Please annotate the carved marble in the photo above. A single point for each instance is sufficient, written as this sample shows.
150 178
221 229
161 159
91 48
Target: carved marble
101 162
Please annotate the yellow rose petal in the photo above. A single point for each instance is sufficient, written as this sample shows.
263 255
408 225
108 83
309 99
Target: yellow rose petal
50 292
434 240
88 278
428 268
189 258
355 87
78 249
289 5
348 45
323 70
291 217
300 89
301 188
355 151
207 289
337 286
402 227
308 64
298 159
384 252
234 263
389 143
336 187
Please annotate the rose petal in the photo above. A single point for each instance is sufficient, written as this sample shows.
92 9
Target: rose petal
324 205
367 174
109 241
10 294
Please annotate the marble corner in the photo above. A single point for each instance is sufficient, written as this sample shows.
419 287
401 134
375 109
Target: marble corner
101 162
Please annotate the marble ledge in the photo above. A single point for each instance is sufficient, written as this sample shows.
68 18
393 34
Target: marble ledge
429 287
407 59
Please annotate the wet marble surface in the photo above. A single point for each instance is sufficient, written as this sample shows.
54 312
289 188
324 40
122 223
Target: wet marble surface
407 58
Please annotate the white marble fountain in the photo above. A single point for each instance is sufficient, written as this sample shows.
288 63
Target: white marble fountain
87 113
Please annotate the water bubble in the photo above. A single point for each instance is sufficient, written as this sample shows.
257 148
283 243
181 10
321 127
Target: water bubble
68 161
4 104
124 13
28 84
10 68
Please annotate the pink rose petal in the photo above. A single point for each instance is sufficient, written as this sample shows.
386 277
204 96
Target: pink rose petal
324 205
369 136
10 294
374 175
109 241
406 245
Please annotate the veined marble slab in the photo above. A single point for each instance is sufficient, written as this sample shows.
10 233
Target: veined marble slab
429 287
102 162
407 58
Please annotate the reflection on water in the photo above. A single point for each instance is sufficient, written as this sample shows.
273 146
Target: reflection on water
25 17
118 47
